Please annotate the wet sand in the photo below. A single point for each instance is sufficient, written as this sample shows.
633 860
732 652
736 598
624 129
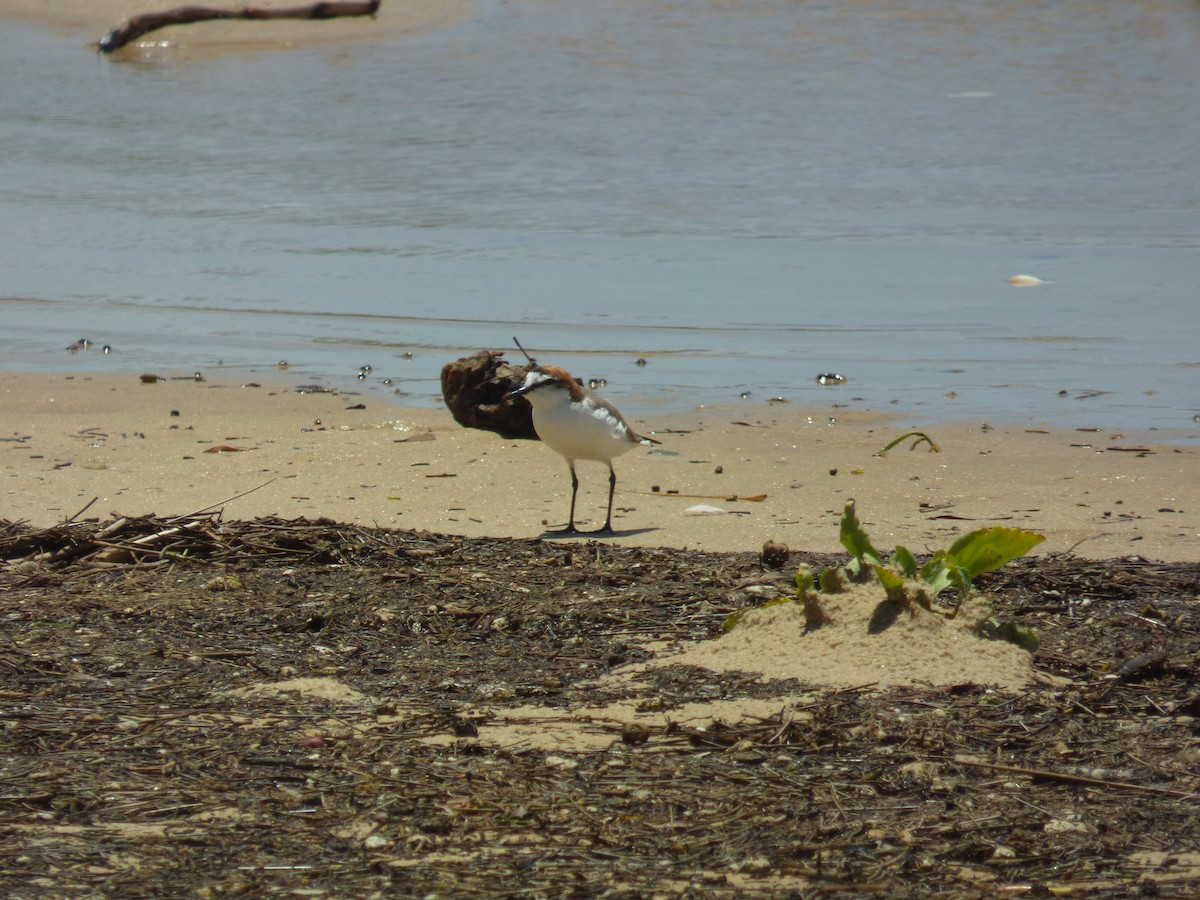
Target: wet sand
106 445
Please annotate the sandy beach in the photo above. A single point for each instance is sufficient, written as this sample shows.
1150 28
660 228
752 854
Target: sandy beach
221 677
101 445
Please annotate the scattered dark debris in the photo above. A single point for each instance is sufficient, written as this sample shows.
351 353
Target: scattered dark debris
774 555
127 769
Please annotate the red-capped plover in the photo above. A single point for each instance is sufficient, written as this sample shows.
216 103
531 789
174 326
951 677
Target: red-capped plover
577 424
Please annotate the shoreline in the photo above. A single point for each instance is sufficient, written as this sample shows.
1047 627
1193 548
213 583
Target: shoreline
359 458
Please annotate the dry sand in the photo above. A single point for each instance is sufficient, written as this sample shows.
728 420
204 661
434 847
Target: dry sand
88 20
864 638
150 448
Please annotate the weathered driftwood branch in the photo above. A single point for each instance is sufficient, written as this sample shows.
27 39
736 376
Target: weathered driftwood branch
135 27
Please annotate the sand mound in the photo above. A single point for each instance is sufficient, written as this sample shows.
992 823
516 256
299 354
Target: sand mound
866 639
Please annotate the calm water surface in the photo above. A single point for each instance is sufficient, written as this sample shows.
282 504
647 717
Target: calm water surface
745 194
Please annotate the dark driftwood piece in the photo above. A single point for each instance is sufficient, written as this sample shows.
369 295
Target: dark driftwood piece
476 390
135 27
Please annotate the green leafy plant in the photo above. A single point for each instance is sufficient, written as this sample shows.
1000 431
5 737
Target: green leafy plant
906 581
971 555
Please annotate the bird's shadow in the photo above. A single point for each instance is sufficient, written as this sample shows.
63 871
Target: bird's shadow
595 534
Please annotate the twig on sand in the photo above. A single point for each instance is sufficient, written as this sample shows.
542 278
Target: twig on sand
86 507
213 506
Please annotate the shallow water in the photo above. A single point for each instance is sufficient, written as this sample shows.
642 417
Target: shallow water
743 194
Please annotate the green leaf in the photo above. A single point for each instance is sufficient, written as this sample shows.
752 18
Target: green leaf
990 548
892 581
960 578
804 579
961 581
943 572
855 539
936 573
906 562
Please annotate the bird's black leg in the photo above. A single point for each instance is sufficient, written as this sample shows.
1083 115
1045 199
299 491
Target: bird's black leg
574 493
571 529
612 487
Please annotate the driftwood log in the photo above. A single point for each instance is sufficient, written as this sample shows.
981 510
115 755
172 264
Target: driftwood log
135 27
476 390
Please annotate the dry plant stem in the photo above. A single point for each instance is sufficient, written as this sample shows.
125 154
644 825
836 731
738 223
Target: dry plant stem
137 26
1072 779
221 503
86 507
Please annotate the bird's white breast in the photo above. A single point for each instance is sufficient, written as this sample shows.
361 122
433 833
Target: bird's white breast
581 429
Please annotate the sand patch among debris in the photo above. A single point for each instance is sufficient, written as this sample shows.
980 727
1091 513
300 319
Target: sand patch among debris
322 688
596 728
866 640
